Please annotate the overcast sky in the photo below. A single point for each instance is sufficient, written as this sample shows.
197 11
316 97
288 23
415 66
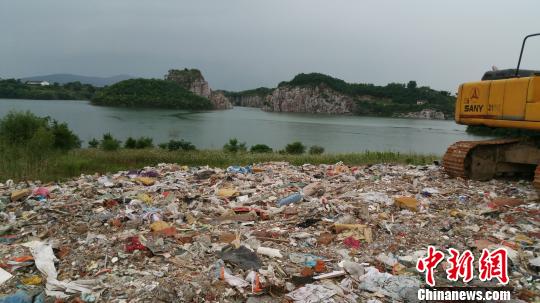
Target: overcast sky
243 44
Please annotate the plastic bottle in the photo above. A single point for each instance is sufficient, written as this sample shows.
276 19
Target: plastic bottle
294 198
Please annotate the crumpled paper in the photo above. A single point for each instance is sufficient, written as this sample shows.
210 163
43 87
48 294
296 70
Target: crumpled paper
312 293
4 276
44 259
396 287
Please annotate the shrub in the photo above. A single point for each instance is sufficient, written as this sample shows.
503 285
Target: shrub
176 145
316 150
94 143
25 129
295 148
41 142
130 143
109 143
144 142
234 146
163 145
18 128
64 138
261 148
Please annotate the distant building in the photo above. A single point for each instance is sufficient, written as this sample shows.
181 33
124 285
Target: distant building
421 102
41 83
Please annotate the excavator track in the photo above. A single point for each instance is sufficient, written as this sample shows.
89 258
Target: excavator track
456 160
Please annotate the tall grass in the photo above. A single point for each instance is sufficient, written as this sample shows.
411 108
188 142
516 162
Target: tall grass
51 166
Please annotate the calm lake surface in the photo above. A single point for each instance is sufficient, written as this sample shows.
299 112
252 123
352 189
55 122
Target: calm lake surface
212 129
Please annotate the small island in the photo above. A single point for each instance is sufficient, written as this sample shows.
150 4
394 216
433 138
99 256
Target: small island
151 93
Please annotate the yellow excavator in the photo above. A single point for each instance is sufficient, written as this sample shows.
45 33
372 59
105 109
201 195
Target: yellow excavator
507 98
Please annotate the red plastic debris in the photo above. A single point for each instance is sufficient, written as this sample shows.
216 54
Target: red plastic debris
41 191
134 244
110 203
351 242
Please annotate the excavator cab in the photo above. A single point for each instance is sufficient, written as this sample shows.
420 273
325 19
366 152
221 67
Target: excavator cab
507 98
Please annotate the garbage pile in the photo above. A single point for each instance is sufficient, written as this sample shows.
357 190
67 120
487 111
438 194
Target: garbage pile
271 232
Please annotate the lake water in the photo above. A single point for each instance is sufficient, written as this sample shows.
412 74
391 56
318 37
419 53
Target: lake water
212 129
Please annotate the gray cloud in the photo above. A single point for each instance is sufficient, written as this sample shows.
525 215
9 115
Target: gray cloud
241 44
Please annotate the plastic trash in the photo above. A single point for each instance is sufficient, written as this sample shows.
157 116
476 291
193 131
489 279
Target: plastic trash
146 181
41 191
133 244
270 252
535 261
409 203
376 197
351 242
294 198
254 278
44 259
313 189
387 259
4 276
311 293
105 181
149 174
396 287
227 192
330 275
233 280
306 259
20 194
240 170
429 191
356 270
241 257
22 296
32 280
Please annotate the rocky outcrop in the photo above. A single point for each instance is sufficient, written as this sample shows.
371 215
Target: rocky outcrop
309 99
193 80
248 101
429 114
219 100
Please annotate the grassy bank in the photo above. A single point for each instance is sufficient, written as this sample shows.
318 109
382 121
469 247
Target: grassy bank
59 166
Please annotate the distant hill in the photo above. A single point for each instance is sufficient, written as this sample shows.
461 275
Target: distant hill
66 78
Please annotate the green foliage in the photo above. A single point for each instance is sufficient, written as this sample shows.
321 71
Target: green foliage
150 93
394 98
109 143
261 148
295 148
236 96
27 129
177 145
130 143
234 146
144 142
94 143
64 138
15 89
316 150
18 128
